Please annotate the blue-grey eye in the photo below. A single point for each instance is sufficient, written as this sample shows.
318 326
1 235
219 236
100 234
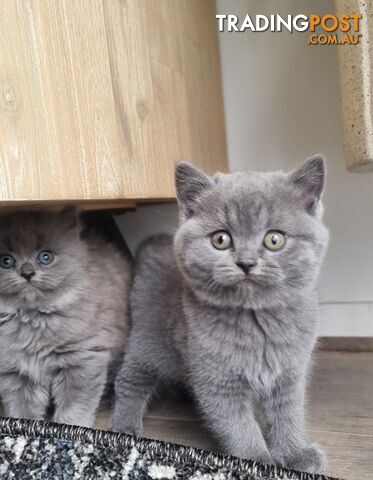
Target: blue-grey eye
45 257
7 261
221 240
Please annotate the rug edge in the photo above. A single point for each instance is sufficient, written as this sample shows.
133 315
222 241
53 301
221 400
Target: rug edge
44 429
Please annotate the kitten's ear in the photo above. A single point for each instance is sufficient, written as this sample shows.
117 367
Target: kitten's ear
309 180
69 218
190 184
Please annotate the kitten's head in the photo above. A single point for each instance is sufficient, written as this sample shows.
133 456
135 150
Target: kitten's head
251 239
39 252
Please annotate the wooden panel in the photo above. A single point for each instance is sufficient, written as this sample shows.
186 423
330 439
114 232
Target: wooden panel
170 107
199 51
56 205
100 98
58 136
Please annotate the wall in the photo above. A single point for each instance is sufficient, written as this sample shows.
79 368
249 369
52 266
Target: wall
282 104
147 220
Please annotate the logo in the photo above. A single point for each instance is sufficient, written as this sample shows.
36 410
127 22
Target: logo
327 29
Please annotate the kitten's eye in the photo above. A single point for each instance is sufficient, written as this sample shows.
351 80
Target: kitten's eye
45 257
7 261
221 240
274 240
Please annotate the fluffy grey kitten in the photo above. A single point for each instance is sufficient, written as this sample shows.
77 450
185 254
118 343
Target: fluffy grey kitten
63 309
229 307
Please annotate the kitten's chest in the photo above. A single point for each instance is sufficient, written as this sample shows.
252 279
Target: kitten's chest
244 345
28 341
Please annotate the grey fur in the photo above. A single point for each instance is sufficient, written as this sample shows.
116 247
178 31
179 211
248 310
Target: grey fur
239 342
60 332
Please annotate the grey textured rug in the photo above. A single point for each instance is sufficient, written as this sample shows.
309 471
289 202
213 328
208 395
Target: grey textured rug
39 450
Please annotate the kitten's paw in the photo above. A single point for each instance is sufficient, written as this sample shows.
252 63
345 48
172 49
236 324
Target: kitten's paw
80 421
262 458
309 459
135 430
127 425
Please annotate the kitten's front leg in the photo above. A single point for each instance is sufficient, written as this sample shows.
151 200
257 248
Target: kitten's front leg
77 392
230 416
23 398
284 410
133 388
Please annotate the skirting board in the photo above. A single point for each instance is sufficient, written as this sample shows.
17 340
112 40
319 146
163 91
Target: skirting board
346 344
346 319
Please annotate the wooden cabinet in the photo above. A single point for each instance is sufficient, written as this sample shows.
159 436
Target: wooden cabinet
100 98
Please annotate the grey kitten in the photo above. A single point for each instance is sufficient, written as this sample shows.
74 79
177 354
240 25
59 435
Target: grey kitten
63 309
229 308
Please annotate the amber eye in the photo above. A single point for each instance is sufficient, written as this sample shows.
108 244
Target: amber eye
274 240
221 240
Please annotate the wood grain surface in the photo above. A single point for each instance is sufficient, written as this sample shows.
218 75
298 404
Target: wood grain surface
100 98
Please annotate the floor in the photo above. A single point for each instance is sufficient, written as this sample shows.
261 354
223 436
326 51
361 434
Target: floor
340 415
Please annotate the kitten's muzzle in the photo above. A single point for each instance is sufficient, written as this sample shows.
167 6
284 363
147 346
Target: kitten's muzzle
27 271
247 266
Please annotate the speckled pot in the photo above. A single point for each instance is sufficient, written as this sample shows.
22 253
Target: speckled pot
356 69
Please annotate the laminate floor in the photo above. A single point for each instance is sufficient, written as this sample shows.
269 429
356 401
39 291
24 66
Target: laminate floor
340 415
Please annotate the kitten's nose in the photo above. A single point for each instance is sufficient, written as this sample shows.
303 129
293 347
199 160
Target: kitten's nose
27 271
246 266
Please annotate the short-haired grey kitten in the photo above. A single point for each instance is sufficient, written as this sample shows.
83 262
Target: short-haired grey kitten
229 307
63 316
